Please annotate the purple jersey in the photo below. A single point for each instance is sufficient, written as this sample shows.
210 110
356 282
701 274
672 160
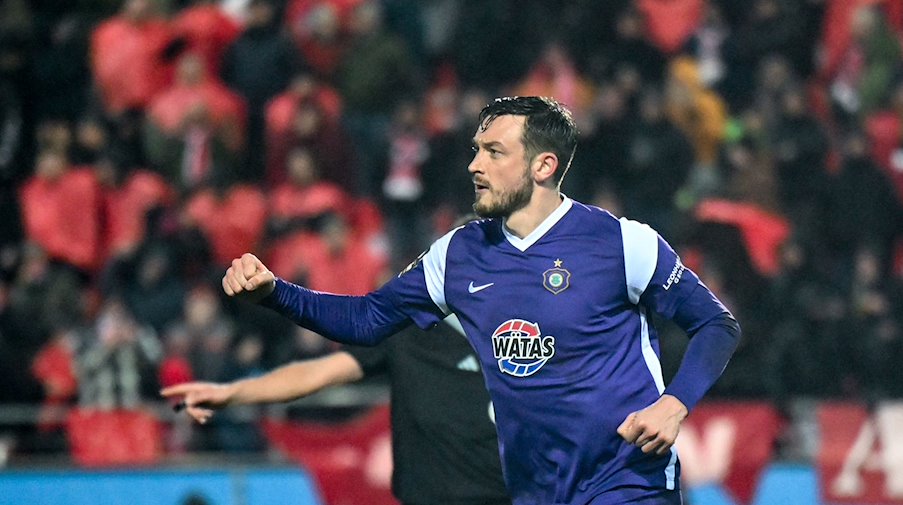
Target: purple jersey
560 321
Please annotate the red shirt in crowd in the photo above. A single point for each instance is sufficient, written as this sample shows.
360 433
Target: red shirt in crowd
128 62
353 271
280 112
54 368
305 257
61 215
223 106
233 223
292 201
208 31
126 207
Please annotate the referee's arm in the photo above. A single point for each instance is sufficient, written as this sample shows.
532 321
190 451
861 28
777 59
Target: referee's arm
286 383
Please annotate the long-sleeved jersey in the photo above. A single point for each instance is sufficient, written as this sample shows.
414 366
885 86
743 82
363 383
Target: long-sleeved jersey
560 321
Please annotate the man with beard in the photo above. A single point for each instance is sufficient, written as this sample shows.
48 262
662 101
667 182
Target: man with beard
554 296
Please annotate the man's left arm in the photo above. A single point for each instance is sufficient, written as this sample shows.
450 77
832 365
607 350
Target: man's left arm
676 293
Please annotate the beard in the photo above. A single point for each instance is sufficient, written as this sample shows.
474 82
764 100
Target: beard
490 205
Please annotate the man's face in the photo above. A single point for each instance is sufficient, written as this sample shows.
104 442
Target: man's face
501 175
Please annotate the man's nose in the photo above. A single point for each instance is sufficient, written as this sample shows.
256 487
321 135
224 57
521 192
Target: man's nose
474 166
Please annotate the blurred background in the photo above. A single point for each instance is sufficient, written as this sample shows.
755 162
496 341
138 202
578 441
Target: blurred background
145 143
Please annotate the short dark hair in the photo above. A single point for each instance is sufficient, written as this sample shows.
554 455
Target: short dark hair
548 126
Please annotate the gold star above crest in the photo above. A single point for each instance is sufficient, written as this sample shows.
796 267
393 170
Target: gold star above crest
557 263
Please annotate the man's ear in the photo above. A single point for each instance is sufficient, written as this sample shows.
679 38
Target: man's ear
545 166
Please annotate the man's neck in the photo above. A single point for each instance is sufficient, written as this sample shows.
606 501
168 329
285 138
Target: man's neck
522 222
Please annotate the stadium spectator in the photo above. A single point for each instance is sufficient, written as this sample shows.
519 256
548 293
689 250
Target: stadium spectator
311 128
862 208
116 361
767 28
659 159
775 78
195 127
403 187
707 45
205 29
318 32
511 35
61 211
443 178
259 65
808 311
131 57
375 75
605 138
175 367
800 149
294 206
870 64
304 86
126 198
345 264
210 331
555 74
152 288
698 112
630 50
702 116
54 367
304 195
231 217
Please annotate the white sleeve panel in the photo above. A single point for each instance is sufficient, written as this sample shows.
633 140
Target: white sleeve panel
640 256
434 270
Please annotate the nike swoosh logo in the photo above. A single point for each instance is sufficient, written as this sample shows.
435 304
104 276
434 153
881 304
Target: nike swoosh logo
473 289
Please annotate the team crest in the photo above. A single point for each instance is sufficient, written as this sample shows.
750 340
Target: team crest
520 347
556 279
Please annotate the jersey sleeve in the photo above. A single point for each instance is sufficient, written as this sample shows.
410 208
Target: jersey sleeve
417 294
420 288
657 279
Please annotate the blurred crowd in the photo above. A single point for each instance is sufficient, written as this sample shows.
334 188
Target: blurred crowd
145 143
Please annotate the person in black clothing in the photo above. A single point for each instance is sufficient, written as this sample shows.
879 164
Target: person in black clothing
659 161
444 443
259 65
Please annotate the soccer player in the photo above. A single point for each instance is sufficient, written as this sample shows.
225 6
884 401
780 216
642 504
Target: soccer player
555 297
444 445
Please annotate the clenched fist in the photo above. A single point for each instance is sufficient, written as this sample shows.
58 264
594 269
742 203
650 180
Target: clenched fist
655 428
249 279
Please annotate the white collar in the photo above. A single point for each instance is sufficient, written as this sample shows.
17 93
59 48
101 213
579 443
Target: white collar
522 244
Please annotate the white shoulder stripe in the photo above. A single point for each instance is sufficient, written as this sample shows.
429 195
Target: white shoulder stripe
434 269
640 256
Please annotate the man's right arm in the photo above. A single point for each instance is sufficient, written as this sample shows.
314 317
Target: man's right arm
417 295
357 320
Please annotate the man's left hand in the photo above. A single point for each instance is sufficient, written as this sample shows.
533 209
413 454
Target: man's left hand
655 428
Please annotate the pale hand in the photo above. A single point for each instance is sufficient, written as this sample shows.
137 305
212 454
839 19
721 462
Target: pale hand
654 428
200 398
249 279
